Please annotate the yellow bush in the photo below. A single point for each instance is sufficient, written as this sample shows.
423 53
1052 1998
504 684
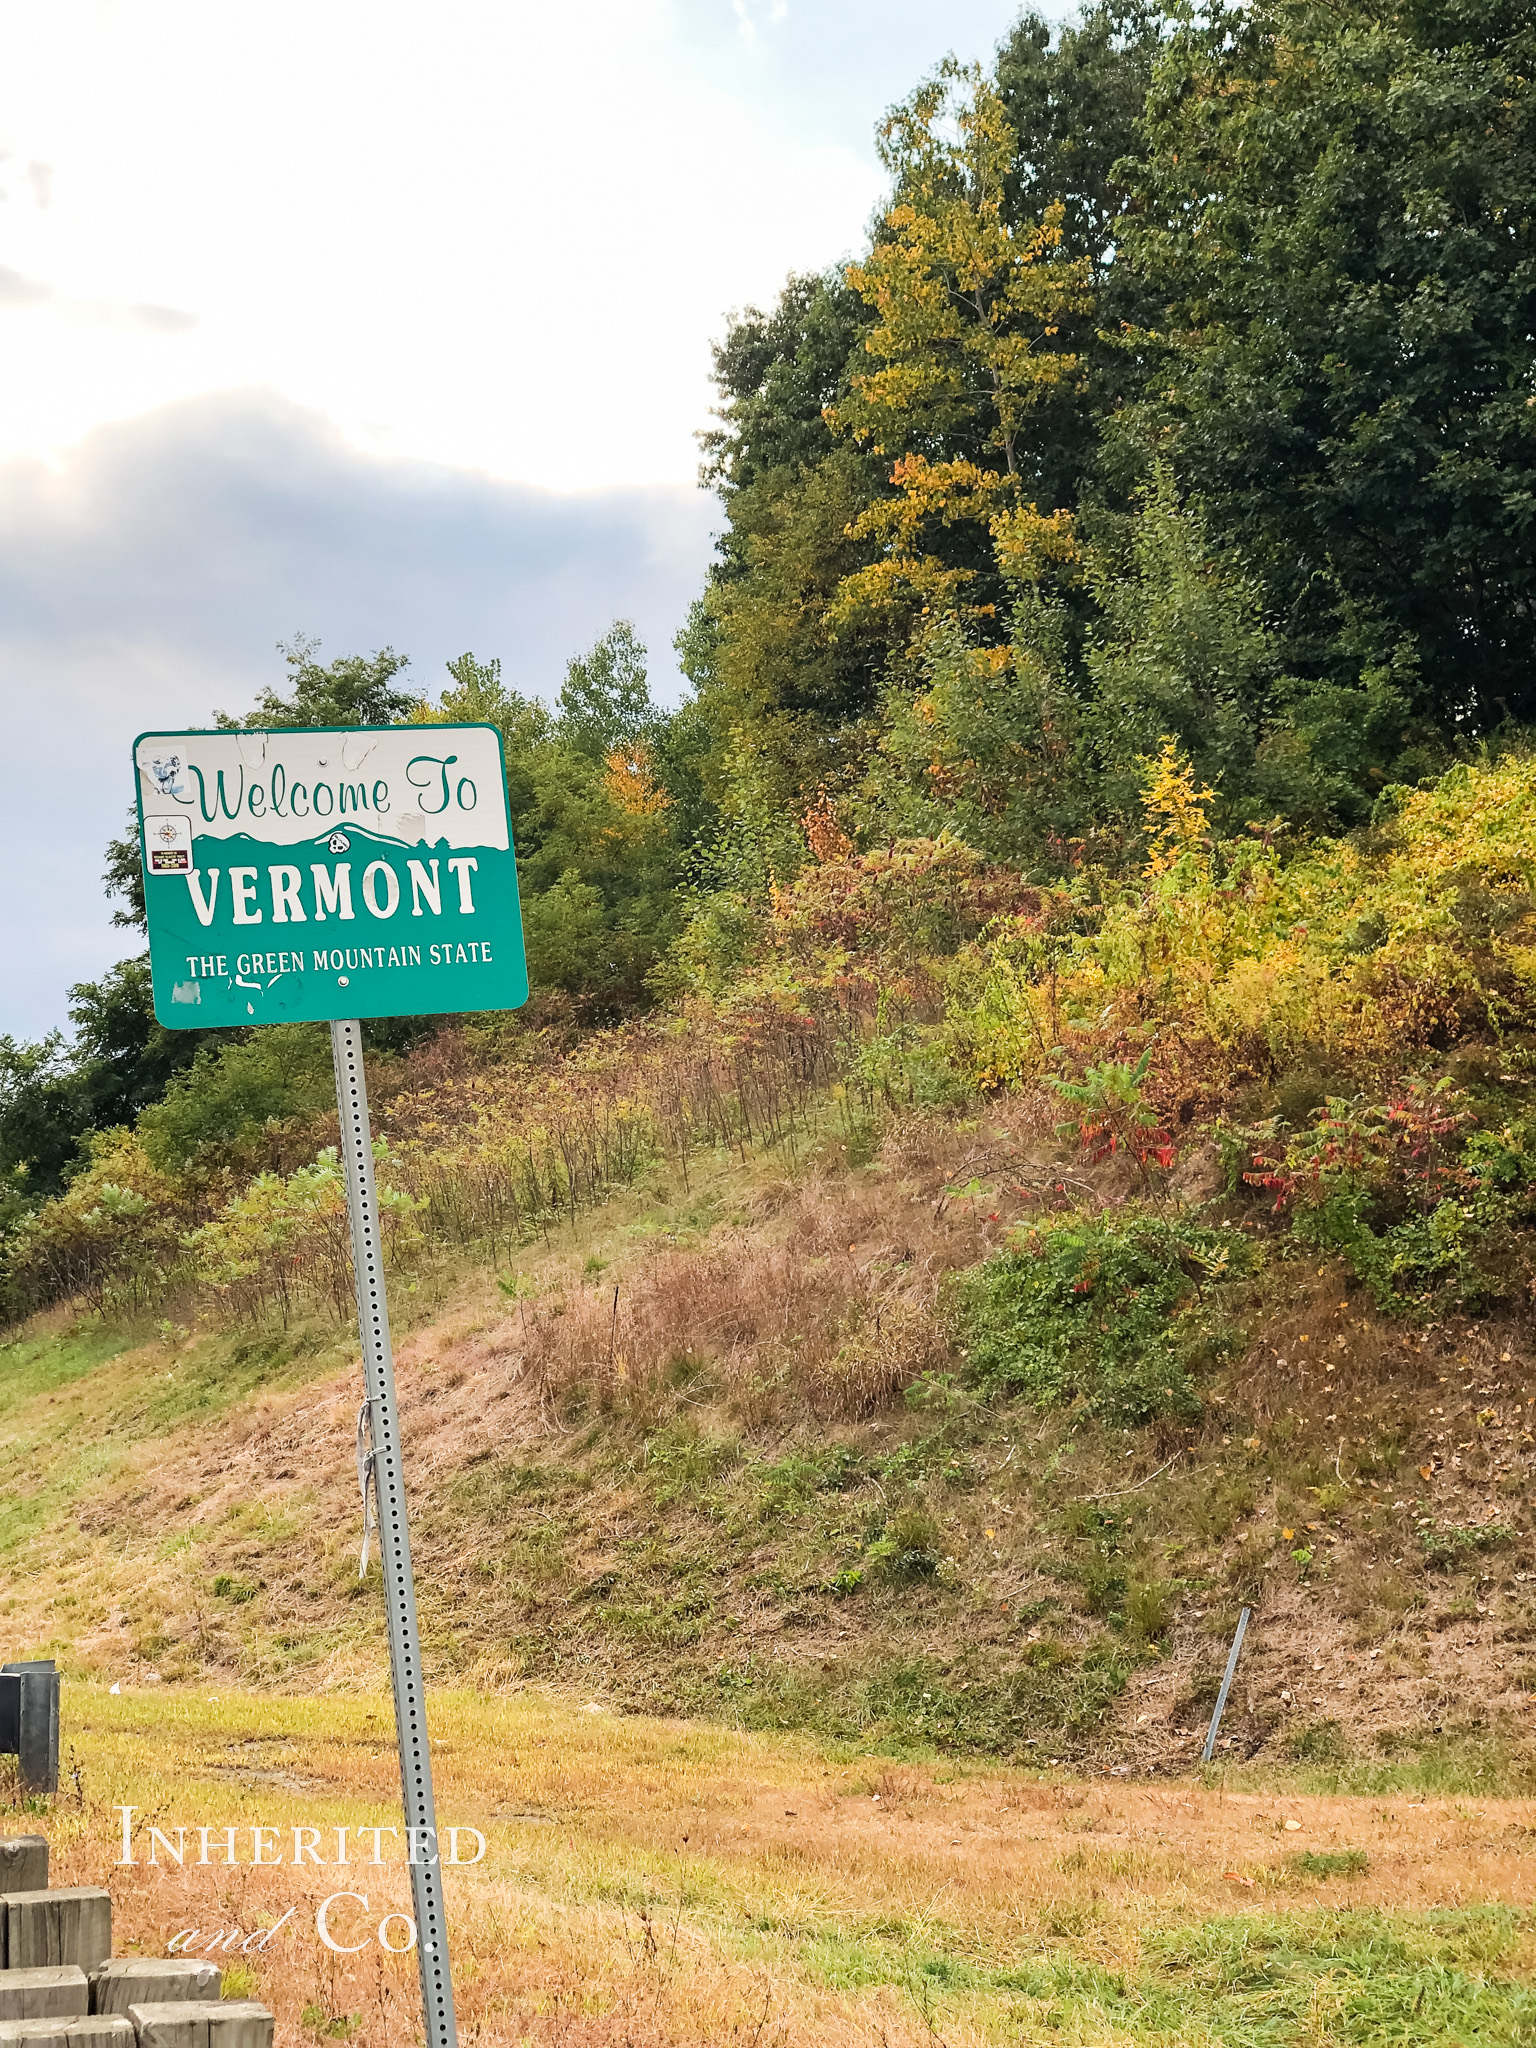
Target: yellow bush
1415 933
112 1237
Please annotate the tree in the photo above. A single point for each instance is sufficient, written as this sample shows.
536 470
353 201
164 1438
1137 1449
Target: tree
600 838
124 1058
355 689
777 373
479 696
605 700
1181 647
788 674
1337 214
124 876
1025 747
777 684
42 1117
967 306
233 1088
990 746
1178 648
1074 93
602 859
1074 97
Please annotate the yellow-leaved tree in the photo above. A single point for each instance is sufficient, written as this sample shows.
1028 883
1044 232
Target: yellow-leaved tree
1175 808
967 304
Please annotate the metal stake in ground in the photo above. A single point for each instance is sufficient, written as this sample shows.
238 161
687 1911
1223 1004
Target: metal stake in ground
1209 1749
394 1539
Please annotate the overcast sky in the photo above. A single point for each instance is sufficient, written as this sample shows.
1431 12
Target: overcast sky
385 324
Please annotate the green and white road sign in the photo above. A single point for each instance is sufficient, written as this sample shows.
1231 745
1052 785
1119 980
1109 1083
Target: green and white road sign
328 872
321 876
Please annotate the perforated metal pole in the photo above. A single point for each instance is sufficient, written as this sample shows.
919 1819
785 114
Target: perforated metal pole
394 1538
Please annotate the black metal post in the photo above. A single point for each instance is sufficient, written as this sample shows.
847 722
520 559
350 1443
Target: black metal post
29 1721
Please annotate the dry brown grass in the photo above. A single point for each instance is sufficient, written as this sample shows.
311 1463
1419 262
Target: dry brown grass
650 1882
815 1297
828 1304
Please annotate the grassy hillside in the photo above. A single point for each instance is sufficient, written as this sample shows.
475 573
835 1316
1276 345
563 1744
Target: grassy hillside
944 1417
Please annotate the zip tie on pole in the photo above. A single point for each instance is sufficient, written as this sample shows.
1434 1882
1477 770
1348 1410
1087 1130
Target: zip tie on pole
365 1473
1226 1686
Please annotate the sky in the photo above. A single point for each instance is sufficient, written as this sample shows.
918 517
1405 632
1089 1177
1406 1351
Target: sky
382 324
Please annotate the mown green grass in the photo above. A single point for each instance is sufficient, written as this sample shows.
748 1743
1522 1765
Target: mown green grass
46 1363
1254 1981
77 1402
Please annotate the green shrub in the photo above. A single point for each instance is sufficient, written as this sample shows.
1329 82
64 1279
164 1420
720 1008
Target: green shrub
1422 1208
1103 1583
112 1239
1149 1608
1321 1742
287 1236
1117 1313
1332 1862
789 1486
232 1090
1446 1547
902 1066
237 1591
911 1546
681 1463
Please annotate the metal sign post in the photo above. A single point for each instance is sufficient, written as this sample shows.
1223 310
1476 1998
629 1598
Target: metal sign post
288 875
394 1537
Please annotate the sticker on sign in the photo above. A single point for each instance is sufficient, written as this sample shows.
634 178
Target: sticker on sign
328 872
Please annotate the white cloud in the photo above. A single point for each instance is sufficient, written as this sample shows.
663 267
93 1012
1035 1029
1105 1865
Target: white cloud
16 290
145 579
494 235
750 18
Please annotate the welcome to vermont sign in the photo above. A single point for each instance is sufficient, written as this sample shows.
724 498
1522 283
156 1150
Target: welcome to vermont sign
329 872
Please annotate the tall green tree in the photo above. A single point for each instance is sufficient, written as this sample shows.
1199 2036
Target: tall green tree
605 700
42 1120
602 840
780 685
1074 93
788 674
1179 647
968 308
1336 212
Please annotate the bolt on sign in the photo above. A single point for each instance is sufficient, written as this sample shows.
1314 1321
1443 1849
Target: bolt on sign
362 871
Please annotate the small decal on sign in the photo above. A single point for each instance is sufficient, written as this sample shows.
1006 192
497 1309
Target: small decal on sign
168 845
